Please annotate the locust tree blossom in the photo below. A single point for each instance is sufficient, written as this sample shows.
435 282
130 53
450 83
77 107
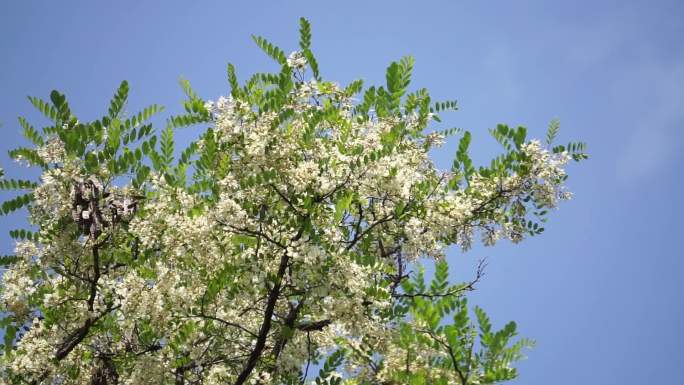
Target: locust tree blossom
288 236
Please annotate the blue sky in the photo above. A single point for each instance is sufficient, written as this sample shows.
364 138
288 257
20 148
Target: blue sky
601 289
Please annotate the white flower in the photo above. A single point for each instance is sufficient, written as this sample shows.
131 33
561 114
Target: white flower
296 60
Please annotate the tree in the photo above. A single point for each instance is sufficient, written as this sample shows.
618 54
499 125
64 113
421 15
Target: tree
288 236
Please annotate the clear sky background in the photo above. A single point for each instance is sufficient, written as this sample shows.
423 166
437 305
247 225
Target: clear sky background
601 290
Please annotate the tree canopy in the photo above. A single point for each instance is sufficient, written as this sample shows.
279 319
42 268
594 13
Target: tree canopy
283 246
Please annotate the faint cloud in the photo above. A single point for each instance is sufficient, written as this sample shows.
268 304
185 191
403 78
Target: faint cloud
642 79
500 67
655 134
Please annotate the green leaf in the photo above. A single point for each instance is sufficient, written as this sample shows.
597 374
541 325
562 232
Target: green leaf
271 50
519 136
552 131
44 108
462 155
187 89
342 204
59 101
188 152
313 63
232 80
8 260
398 77
141 176
143 116
17 184
304 34
331 363
119 100
30 133
167 147
29 155
91 162
10 334
444 106
16 203
181 121
22 234
354 87
243 240
485 325
441 279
